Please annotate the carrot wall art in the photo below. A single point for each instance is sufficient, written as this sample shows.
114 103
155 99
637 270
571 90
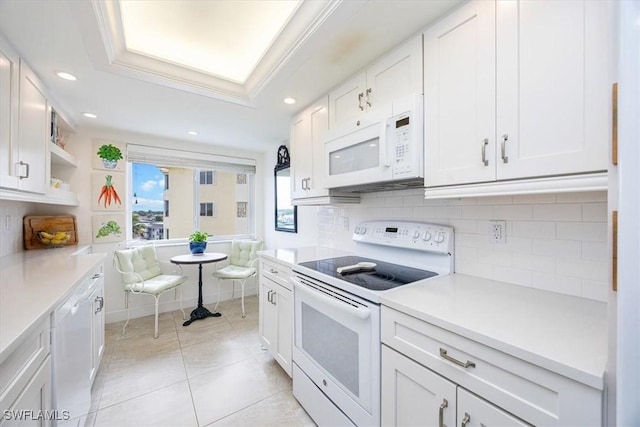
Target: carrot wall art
107 191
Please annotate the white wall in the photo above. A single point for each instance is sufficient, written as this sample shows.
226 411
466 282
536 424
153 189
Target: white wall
555 242
307 234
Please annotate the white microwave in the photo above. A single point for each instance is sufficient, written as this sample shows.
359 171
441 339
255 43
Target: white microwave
385 152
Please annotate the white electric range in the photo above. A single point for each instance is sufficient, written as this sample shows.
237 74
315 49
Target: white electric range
336 354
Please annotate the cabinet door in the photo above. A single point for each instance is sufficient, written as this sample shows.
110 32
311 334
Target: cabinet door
97 326
319 123
9 88
268 319
347 103
459 96
394 76
35 397
283 303
552 87
301 155
413 395
476 412
34 122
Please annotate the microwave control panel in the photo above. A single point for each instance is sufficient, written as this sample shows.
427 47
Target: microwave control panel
401 135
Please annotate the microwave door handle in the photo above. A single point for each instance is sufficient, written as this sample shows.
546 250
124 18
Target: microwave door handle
382 140
359 312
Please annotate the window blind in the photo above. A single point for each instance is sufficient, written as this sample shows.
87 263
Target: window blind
189 159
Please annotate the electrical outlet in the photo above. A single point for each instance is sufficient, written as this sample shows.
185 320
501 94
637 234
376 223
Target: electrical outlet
498 232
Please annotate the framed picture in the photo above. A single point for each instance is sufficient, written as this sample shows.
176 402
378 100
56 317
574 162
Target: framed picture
108 228
109 155
108 191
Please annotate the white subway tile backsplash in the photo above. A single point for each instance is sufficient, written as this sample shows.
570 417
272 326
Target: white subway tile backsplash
590 231
590 270
513 212
477 212
558 248
534 262
539 229
594 251
594 211
555 242
558 212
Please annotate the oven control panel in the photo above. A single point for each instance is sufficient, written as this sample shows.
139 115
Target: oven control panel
406 234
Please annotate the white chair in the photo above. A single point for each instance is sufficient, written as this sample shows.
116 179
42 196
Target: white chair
242 266
141 273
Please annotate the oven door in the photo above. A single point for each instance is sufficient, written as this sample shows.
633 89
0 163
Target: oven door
337 345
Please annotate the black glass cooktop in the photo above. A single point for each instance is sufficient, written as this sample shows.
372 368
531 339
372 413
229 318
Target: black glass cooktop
384 276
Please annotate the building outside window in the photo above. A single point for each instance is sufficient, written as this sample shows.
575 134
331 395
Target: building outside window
217 200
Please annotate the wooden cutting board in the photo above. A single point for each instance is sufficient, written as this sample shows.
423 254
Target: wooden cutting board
32 224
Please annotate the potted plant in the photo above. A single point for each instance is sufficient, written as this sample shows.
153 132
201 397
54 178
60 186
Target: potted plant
198 242
110 154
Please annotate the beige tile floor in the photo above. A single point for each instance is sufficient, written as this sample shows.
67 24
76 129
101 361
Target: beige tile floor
210 373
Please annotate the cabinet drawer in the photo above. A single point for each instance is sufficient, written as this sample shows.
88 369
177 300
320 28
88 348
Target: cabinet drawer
531 392
277 272
23 363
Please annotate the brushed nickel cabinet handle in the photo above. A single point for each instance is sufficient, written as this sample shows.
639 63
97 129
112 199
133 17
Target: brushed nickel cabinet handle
274 271
485 142
444 404
24 164
465 420
360 96
503 148
368 93
467 364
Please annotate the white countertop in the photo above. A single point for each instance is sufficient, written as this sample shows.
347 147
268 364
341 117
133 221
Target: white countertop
292 256
564 334
33 283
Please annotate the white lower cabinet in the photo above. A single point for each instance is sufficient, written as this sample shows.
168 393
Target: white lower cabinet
276 312
413 395
97 328
432 376
25 381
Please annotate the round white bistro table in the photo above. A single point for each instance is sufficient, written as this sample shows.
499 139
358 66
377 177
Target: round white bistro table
200 312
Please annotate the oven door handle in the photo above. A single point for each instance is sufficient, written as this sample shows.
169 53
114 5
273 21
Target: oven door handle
359 312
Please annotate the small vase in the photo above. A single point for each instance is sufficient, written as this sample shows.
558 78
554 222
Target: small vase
109 164
197 248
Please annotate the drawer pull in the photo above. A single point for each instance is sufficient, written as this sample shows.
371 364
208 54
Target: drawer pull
467 364
465 420
444 404
271 270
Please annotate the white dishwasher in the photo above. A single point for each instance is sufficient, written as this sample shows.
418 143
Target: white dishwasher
71 353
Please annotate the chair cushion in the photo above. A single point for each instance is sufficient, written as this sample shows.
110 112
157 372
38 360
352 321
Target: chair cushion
234 272
244 252
156 285
141 260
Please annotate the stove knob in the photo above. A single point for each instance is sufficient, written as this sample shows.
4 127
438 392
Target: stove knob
356 230
439 237
416 234
363 230
427 236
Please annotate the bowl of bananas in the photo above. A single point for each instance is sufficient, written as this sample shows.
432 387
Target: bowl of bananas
54 240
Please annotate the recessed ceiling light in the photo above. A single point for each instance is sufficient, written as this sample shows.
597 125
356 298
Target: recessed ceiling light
289 101
66 76
192 132
90 115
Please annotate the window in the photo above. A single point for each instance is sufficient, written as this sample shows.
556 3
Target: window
207 177
207 209
209 193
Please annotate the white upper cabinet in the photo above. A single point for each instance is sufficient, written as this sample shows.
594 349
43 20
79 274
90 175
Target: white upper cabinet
308 131
33 131
395 75
459 69
545 115
552 87
9 89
